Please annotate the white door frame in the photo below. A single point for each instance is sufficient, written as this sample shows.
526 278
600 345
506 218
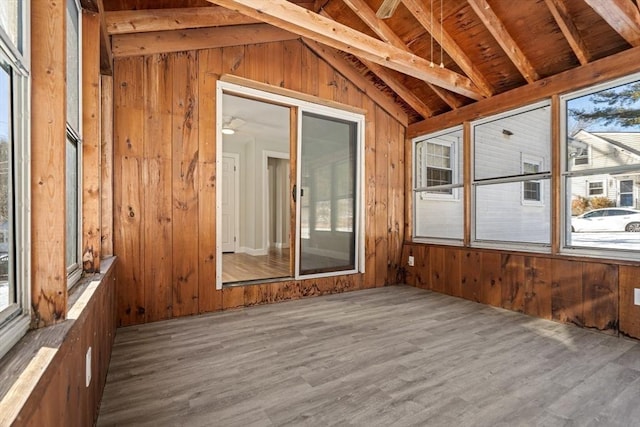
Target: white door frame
266 154
236 198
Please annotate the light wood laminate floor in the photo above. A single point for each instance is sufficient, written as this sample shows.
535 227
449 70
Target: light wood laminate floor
395 356
242 267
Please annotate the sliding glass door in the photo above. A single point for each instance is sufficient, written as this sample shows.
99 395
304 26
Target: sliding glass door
328 202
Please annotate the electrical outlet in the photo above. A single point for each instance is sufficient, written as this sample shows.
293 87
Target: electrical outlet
636 296
411 261
88 367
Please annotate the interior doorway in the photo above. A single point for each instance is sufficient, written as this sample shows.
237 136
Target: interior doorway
257 138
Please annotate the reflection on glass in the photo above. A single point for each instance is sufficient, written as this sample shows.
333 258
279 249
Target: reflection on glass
439 212
72 203
501 214
10 12
73 66
602 154
328 168
7 290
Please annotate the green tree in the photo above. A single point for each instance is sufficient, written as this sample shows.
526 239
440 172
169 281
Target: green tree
618 106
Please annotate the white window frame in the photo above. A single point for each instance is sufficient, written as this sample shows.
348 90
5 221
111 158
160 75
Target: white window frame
539 161
302 106
15 319
602 185
566 175
586 156
422 157
74 270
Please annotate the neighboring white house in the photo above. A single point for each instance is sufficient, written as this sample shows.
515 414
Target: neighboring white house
593 150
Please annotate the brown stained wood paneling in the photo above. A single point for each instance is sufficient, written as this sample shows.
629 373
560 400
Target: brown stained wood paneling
310 65
209 69
437 269
395 211
471 275
452 274
629 279
566 291
184 261
421 268
255 62
600 296
491 279
232 297
185 183
370 192
275 71
537 287
292 52
106 179
257 294
60 397
91 102
158 237
382 182
128 189
48 139
233 61
513 292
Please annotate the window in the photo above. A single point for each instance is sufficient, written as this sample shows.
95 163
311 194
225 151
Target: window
531 190
438 186
74 147
596 188
601 120
511 178
581 157
14 173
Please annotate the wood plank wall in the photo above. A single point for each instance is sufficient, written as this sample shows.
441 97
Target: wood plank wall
164 178
61 396
589 293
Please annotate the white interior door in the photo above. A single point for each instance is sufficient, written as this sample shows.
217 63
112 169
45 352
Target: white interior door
229 214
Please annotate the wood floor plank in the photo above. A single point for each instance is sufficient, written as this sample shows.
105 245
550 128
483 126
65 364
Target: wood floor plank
387 356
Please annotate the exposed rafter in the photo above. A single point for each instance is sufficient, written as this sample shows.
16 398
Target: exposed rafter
383 31
623 17
144 20
558 9
423 16
387 8
295 19
199 38
504 39
333 58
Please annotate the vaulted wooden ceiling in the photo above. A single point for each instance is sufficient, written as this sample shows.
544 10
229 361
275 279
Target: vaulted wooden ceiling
429 56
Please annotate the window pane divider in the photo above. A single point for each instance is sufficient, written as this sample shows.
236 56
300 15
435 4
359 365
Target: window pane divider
602 171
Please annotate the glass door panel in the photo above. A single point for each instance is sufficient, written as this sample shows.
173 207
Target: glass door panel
327 192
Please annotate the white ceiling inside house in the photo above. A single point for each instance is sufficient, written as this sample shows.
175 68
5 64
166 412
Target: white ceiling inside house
252 119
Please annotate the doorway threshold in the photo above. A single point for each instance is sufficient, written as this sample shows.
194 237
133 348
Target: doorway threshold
257 282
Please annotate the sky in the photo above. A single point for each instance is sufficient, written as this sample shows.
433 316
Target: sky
585 103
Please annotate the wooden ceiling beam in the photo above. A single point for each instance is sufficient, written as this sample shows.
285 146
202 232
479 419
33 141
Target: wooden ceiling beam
368 15
146 20
423 15
409 97
622 16
558 9
311 25
504 39
198 38
387 8
335 60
